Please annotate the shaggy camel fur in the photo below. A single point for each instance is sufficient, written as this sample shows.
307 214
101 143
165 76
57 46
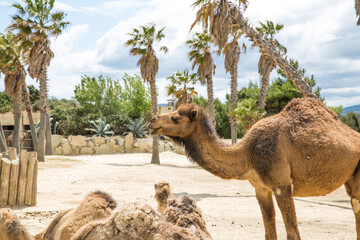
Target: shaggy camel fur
11 228
302 151
162 194
95 206
136 222
183 212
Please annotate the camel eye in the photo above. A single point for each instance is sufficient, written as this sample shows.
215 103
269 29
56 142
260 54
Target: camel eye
174 119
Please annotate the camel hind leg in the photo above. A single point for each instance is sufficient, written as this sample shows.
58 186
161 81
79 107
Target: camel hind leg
352 187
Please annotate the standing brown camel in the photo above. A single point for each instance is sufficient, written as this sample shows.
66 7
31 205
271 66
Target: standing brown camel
302 151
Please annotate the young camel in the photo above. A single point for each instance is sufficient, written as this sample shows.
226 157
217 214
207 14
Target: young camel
162 195
11 228
302 151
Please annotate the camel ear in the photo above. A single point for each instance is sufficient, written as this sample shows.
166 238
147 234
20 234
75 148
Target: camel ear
193 114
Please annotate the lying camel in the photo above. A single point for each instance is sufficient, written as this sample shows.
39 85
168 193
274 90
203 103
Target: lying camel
305 150
95 206
11 228
182 211
136 222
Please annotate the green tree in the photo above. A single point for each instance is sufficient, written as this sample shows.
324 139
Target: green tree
201 57
266 63
141 43
182 87
352 120
34 22
5 103
136 98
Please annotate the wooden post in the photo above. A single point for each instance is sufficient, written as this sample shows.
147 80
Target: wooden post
30 178
5 178
14 179
22 177
12 153
34 188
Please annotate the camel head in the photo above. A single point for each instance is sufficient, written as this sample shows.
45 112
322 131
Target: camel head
180 123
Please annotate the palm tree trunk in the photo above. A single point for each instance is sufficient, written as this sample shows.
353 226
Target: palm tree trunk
210 92
155 159
233 102
3 145
17 120
264 88
43 114
30 117
48 140
267 47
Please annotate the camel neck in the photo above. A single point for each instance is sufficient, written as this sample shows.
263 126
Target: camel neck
223 160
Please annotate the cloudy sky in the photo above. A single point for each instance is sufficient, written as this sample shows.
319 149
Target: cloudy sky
321 34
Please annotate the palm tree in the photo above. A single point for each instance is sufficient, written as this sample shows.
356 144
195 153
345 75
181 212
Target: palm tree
357 9
142 41
248 113
266 64
180 88
34 23
15 73
201 57
212 14
11 65
218 17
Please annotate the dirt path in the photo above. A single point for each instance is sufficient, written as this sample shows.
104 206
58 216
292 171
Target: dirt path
230 207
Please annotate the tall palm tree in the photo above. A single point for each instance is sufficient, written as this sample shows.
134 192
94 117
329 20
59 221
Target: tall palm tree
357 10
11 63
34 23
218 17
201 57
142 41
15 73
181 88
266 64
212 14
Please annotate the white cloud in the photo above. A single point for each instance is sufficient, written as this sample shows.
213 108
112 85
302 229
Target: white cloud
64 7
2 3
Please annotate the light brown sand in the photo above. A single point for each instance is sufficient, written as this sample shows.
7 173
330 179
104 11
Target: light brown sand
229 207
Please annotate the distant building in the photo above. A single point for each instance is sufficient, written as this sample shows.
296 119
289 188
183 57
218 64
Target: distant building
7 120
166 107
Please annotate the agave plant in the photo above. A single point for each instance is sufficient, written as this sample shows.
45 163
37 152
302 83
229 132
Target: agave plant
100 128
137 128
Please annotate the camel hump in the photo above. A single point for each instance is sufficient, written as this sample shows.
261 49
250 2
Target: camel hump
111 203
309 105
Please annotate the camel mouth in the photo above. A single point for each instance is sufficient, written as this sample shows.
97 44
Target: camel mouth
154 131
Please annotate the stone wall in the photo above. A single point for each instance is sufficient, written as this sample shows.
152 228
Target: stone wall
80 145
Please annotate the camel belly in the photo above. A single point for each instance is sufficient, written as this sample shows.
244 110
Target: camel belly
321 180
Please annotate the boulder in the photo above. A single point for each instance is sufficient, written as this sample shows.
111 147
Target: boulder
129 141
98 140
77 141
103 149
58 151
143 145
66 147
86 151
56 140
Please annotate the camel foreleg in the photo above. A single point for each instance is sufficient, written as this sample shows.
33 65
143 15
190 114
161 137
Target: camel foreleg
264 197
286 205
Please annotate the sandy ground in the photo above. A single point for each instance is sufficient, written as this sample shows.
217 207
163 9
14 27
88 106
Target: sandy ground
229 207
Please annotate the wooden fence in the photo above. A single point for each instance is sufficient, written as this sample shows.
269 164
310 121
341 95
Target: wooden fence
18 178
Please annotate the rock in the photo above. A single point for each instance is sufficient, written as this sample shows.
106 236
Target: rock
129 141
161 146
98 140
86 151
66 147
143 145
103 149
58 151
119 140
167 147
77 141
56 140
